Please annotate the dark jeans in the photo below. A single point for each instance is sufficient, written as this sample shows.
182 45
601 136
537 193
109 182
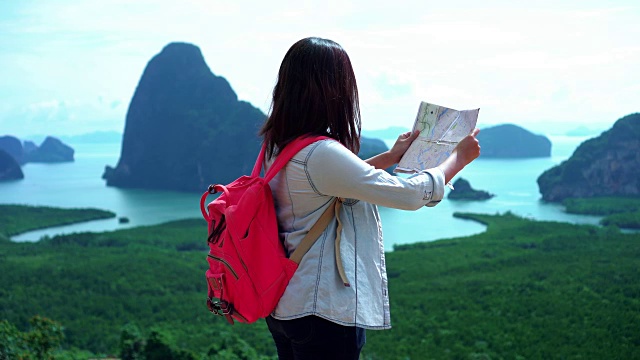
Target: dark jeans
312 337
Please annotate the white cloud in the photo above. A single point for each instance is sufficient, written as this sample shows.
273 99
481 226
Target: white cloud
574 62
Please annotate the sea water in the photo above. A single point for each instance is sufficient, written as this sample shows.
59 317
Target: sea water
79 185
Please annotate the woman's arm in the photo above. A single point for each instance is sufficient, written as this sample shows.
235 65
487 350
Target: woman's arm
334 170
393 156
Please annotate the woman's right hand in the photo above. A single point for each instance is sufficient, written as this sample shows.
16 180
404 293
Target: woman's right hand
467 150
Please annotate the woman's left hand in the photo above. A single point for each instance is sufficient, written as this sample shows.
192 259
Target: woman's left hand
402 144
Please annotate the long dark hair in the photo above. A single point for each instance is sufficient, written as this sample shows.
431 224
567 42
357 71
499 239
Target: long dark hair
316 94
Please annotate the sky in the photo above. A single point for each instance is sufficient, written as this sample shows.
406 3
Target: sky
70 67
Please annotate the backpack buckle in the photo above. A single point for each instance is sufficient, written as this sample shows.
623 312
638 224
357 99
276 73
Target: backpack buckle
219 307
222 308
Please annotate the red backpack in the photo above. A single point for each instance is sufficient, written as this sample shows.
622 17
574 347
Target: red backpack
248 266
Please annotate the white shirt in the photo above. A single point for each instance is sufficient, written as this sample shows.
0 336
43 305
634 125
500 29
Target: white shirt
302 190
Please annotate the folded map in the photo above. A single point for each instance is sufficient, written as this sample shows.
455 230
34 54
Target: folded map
441 129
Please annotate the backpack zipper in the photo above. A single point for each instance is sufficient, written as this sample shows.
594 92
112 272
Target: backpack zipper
233 272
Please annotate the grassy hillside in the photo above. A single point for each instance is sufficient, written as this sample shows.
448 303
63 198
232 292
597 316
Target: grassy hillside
522 290
94 284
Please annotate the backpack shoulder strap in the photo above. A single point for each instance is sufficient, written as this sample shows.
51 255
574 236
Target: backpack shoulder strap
315 231
258 165
332 212
284 156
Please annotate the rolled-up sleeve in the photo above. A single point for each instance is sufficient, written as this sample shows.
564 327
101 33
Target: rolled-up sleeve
335 171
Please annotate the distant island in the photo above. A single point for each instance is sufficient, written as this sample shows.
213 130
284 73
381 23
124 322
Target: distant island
464 191
51 150
9 167
13 146
607 165
512 141
186 128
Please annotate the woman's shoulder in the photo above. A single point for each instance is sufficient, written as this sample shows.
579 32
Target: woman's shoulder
330 154
326 148
331 146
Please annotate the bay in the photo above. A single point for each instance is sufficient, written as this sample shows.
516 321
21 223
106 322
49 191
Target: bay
79 185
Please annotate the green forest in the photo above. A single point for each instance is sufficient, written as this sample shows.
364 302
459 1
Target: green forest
523 289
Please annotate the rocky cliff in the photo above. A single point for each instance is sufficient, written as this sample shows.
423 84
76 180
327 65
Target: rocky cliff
608 165
512 141
185 127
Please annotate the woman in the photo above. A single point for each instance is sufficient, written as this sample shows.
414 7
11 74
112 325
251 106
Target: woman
321 314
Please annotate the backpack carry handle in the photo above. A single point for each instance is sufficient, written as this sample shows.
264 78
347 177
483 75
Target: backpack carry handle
212 189
203 208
